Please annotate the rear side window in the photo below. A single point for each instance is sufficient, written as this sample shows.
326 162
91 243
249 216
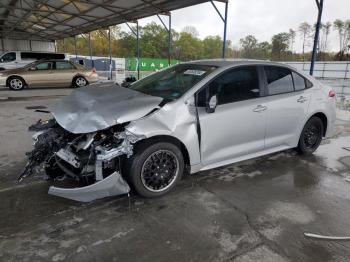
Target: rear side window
236 85
299 82
308 84
279 80
8 57
64 66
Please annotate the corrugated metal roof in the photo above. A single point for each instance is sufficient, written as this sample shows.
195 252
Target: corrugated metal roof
56 19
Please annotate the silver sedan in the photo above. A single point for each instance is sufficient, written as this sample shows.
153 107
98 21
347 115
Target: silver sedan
201 114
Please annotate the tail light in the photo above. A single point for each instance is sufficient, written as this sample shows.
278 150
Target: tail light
93 71
331 93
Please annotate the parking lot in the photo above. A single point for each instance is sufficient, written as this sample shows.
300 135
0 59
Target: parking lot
255 210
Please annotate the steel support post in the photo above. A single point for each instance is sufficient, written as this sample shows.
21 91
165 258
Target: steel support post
319 4
224 20
138 49
225 31
90 51
64 45
137 34
110 54
168 29
3 44
75 48
169 41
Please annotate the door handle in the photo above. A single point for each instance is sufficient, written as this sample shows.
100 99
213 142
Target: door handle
260 108
302 99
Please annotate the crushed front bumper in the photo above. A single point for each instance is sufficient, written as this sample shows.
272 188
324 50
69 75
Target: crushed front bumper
112 185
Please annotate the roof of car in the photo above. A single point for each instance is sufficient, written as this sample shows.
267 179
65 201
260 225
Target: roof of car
228 62
52 60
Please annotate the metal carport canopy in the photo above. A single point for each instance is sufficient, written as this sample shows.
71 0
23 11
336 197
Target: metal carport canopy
57 19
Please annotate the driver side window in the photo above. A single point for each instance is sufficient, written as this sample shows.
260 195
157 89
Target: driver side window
235 85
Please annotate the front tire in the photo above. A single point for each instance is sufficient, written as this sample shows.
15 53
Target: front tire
311 136
155 168
16 83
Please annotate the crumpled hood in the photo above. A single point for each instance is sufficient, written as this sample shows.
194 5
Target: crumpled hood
94 108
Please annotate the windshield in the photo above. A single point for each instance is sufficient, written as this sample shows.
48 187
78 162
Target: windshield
173 82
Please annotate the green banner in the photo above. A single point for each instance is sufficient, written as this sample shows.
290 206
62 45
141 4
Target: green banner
149 64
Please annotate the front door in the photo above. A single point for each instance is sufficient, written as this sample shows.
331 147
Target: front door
237 127
40 75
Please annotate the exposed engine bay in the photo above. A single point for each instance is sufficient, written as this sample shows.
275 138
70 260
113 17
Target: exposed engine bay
86 141
85 158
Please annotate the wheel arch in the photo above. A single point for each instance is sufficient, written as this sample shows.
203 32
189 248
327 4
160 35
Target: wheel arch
11 76
80 75
323 118
170 139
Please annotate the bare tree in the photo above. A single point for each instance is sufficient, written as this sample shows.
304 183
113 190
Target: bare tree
191 30
305 31
339 26
346 40
292 35
343 29
326 29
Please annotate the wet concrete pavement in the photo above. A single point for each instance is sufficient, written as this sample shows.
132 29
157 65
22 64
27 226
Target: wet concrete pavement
256 210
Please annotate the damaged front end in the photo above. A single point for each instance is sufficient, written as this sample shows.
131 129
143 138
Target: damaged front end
92 161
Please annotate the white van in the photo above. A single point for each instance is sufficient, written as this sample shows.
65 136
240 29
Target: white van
16 59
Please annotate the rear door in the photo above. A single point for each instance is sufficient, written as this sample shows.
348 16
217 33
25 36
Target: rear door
237 127
288 101
64 72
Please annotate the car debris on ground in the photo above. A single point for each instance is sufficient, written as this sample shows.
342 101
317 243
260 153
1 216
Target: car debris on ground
322 237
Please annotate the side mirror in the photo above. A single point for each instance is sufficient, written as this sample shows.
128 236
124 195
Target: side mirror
1 60
212 104
32 68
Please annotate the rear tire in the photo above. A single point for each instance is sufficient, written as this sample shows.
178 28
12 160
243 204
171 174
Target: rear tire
311 136
155 168
16 83
79 81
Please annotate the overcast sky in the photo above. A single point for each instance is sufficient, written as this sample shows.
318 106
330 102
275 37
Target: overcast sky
262 18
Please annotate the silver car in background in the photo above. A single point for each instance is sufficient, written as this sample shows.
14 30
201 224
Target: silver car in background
201 114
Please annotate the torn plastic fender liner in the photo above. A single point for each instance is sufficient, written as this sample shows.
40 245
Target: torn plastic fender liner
112 185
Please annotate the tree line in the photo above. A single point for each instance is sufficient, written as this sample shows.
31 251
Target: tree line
282 45
186 45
